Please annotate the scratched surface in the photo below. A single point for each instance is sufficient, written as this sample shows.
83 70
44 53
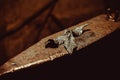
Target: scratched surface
98 28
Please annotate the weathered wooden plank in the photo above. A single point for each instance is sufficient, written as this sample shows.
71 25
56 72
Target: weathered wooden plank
98 27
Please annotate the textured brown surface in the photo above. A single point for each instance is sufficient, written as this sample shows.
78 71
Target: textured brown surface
74 11
37 54
14 14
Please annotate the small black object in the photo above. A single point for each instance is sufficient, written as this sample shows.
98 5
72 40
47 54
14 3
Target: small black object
51 44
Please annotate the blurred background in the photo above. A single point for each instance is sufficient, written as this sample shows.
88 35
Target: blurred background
25 22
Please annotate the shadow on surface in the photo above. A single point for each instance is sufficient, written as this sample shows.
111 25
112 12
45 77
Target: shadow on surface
99 60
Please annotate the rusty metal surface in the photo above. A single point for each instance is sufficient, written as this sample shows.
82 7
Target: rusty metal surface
98 27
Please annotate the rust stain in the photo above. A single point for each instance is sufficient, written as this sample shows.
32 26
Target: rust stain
38 54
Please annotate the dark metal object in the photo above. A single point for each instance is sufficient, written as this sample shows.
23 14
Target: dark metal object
109 14
113 16
112 9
